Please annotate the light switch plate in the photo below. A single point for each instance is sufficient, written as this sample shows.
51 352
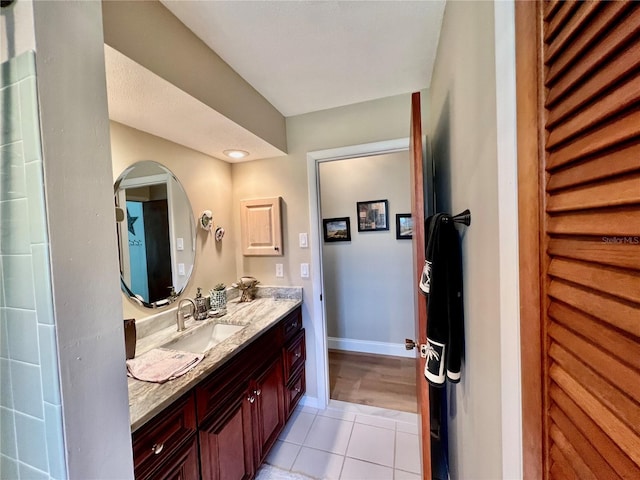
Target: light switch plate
304 240
181 269
279 270
304 270
180 243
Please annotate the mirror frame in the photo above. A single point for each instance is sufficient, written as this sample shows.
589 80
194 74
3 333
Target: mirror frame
119 189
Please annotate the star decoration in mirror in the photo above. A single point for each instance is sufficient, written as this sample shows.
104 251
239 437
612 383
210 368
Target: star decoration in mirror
130 221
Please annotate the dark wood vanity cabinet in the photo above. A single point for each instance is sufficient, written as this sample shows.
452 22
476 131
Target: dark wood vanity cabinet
235 414
168 448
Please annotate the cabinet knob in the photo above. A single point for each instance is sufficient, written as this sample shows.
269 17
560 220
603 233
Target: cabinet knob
157 448
251 398
298 354
297 389
294 324
277 249
258 392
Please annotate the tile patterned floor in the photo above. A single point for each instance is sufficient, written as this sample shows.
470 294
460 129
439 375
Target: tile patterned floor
349 442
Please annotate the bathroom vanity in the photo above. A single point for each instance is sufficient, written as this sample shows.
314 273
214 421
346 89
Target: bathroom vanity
220 419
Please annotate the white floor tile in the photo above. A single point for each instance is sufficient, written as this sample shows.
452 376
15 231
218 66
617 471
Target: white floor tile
407 428
318 464
358 470
283 454
372 444
338 413
376 421
400 475
306 409
297 427
329 434
407 452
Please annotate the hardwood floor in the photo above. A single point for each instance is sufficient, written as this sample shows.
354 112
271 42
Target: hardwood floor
377 380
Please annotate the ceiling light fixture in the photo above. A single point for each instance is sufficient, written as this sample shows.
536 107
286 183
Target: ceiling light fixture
237 154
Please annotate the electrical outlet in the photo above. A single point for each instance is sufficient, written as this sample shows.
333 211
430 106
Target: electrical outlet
304 240
304 270
279 270
180 243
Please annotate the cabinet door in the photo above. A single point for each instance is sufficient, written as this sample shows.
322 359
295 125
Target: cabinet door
183 465
261 227
226 443
269 394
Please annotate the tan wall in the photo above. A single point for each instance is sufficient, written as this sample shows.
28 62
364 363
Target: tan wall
149 34
373 121
464 142
207 183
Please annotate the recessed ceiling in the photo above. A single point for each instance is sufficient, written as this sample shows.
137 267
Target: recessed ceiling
305 56
143 100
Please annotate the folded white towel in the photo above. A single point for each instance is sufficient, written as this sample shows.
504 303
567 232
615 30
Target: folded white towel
162 364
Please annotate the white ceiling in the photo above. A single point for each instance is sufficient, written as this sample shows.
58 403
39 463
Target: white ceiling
304 56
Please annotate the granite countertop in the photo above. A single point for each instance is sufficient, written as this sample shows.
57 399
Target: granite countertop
146 399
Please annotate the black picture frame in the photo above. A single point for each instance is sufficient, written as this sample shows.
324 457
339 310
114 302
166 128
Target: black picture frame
373 215
336 229
404 226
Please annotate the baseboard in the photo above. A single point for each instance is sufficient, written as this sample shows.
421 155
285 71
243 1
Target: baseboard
307 401
364 346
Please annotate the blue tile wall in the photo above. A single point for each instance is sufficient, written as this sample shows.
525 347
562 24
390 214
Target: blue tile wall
31 428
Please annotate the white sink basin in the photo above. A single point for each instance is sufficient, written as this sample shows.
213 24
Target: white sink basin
203 338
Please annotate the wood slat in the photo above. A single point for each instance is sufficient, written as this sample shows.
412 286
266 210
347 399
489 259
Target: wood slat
561 468
618 460
616 429
620 283
623 128
584 14
560 19
620 315
551 8
598 84
595 249
624 96
573 457
625 349
617 402
600 53
605 165
608 193
618 222
610 13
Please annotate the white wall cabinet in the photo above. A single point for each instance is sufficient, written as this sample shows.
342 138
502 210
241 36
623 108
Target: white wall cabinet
261 227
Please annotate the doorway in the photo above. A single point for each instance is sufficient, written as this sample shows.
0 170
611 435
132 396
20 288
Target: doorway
351 296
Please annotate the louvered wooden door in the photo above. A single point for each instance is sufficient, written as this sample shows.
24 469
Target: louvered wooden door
585 118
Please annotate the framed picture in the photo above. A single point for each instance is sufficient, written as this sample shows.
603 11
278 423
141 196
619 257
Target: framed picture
404 226
336 229
372 215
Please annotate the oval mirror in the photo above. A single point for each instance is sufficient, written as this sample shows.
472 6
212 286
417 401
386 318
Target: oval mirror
156 234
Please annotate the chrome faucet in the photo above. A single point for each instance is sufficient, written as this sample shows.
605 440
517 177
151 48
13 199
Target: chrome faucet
180 317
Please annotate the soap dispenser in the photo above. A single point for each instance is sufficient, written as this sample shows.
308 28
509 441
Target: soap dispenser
201 306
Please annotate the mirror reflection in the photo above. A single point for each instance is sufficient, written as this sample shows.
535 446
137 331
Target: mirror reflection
156 234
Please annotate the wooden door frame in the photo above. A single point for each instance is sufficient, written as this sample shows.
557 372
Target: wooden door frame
530 222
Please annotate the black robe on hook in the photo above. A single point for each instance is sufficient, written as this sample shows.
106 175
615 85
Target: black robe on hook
445 307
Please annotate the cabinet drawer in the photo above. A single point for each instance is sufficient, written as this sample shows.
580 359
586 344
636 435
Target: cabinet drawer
291 324
294 391
294 355
159 439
